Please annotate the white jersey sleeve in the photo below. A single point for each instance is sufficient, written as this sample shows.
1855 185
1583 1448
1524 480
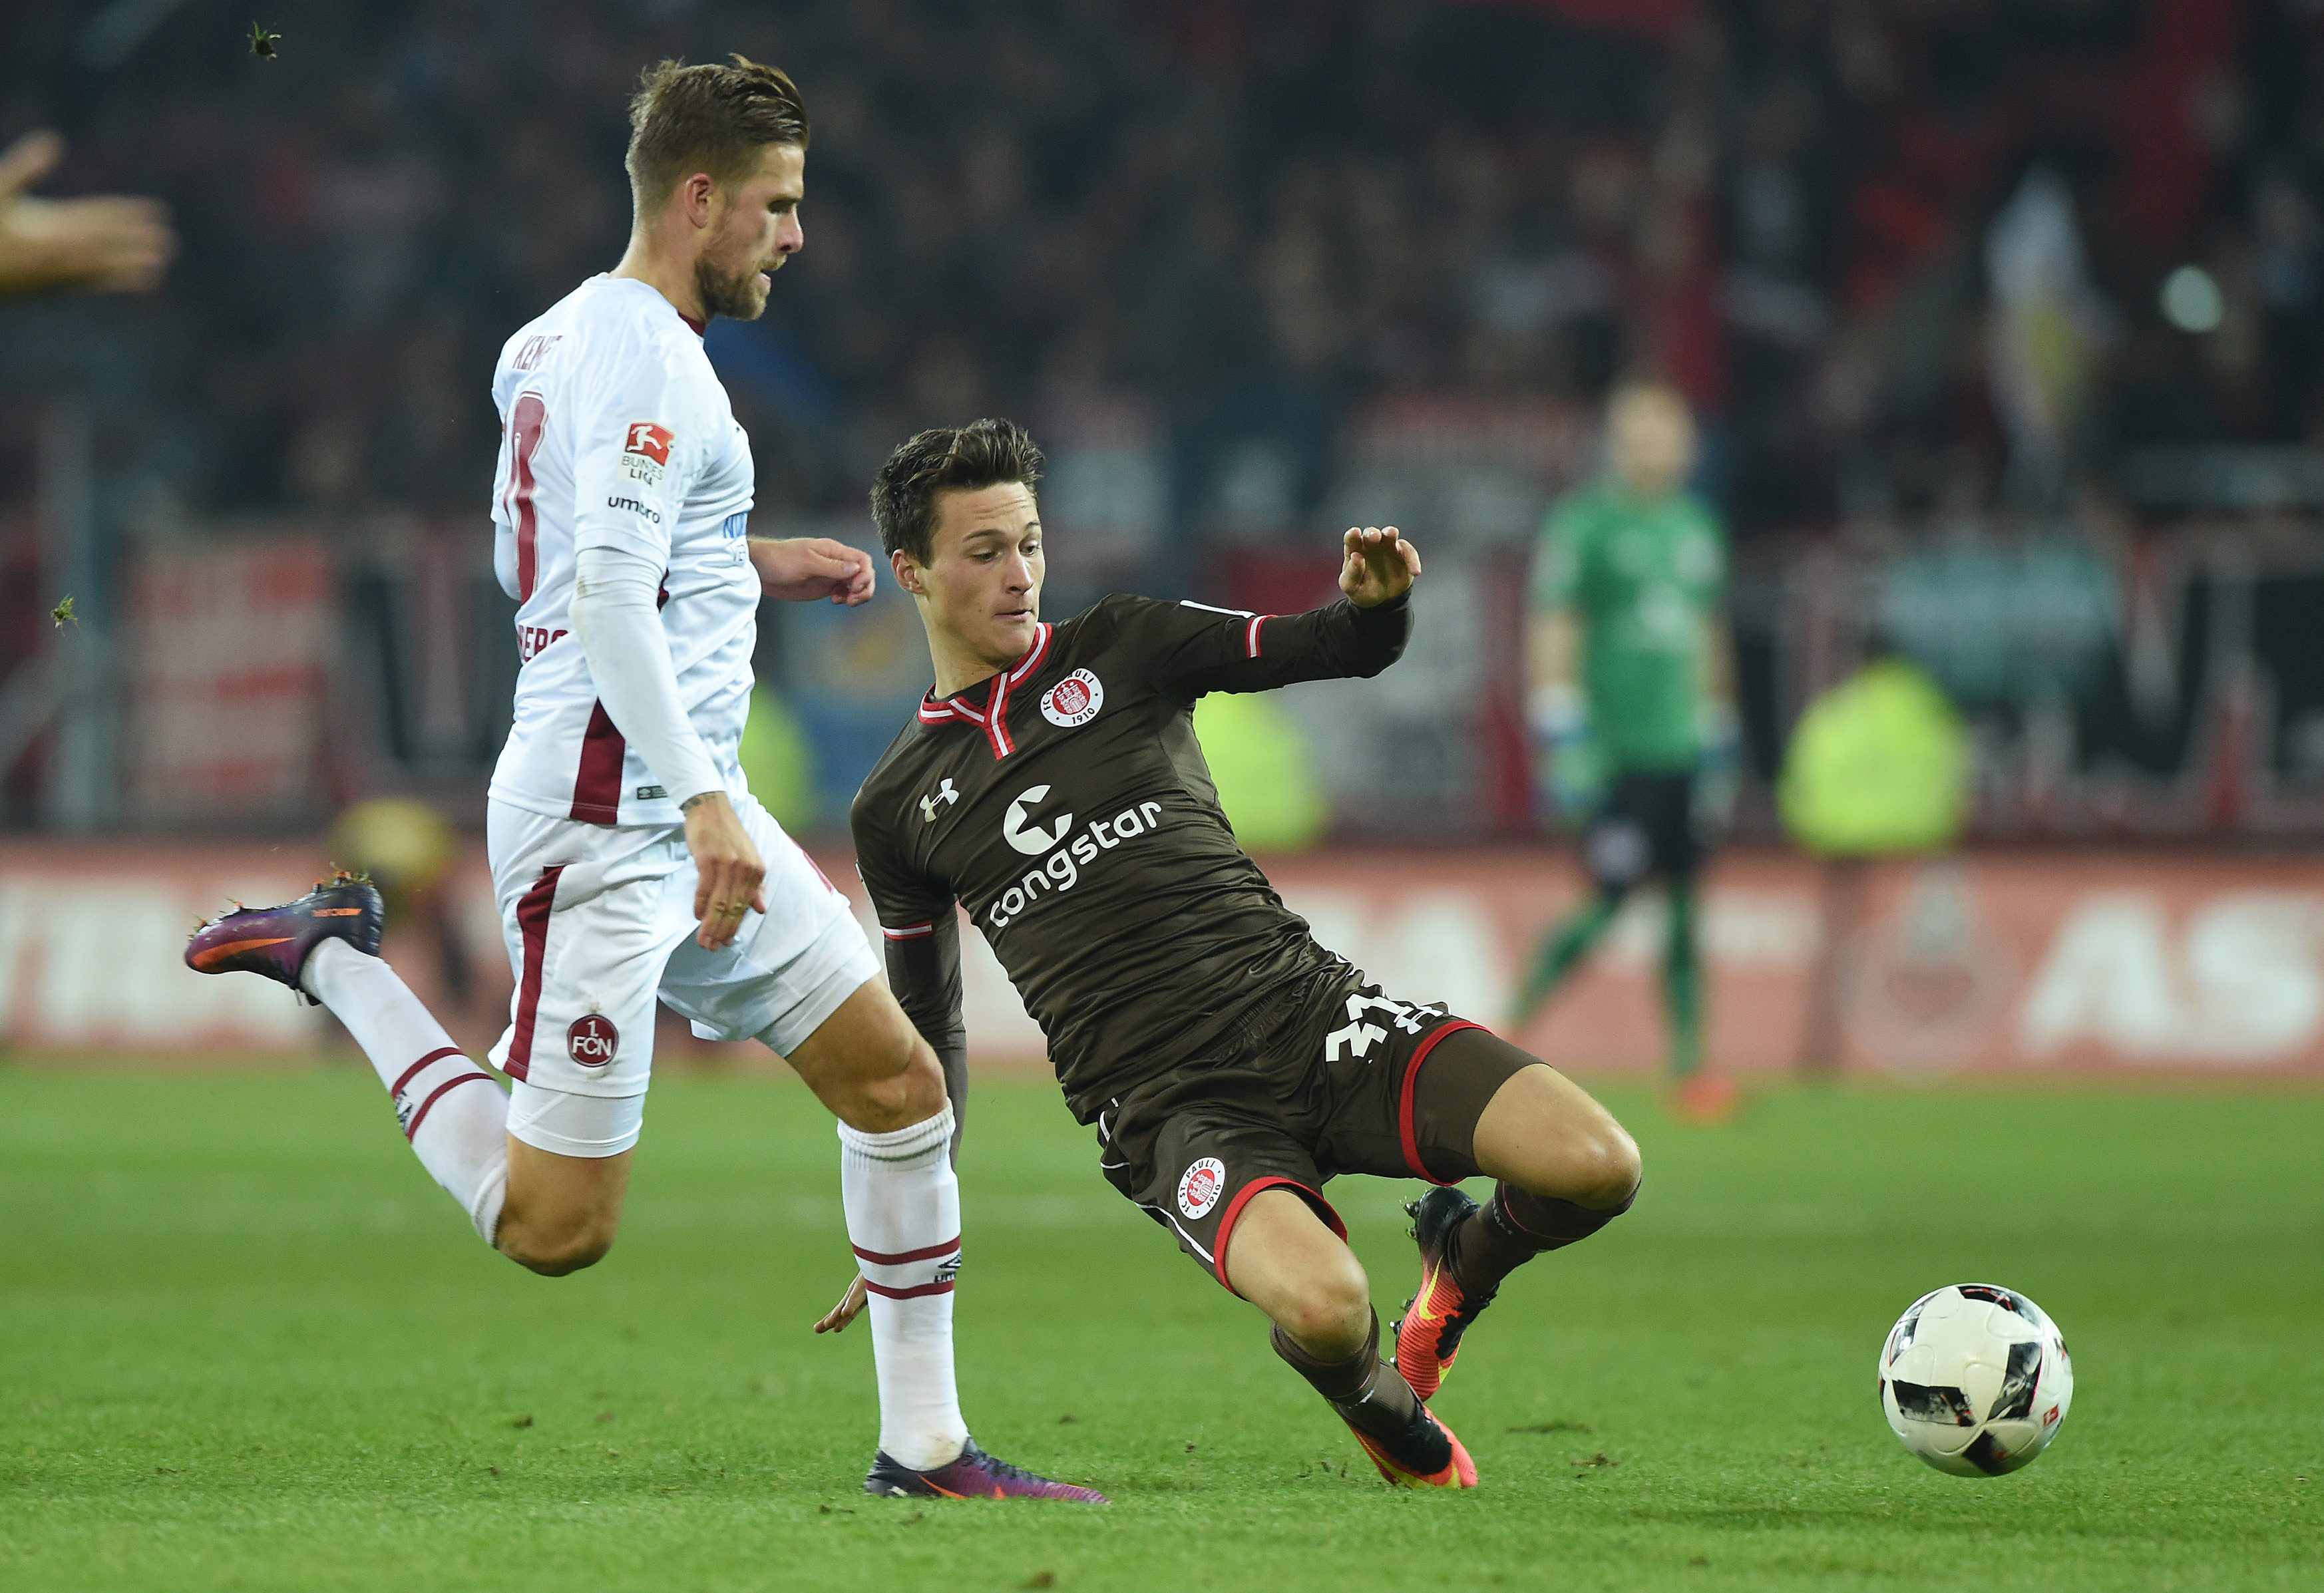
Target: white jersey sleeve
638 434
616 434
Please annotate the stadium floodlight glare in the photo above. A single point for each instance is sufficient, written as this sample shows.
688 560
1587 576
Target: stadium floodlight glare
2191 300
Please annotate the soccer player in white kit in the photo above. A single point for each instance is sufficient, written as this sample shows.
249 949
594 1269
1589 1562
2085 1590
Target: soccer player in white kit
630 861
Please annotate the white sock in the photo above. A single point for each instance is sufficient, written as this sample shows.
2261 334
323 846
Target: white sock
459 1128
903 1217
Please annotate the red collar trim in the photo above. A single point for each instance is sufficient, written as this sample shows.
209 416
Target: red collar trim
1033 655
939 711
701 329
993 717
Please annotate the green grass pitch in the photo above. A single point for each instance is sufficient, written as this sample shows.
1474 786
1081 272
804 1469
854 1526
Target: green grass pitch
245 1343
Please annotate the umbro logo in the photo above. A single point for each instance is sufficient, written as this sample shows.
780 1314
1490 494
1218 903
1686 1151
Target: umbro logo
943 793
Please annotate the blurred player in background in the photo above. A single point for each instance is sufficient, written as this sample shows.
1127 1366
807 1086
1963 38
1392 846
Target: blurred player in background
408 849
1632 706
108 243
630 861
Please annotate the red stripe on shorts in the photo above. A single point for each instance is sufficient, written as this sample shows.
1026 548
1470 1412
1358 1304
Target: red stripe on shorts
912 1294
1243 1198
532 923
1404 1124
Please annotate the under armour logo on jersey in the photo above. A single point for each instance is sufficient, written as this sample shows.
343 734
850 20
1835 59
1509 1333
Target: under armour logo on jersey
943 793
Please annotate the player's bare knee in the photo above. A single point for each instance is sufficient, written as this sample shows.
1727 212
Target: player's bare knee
1596 1168
901 1085
555 1252
564 1257
1328 1308
1607 1171
560 1257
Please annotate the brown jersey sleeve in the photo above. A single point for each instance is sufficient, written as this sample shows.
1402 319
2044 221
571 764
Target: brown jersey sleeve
920 925
1193 649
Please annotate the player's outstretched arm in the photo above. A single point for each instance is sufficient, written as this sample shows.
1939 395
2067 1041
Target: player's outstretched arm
1196 648
801 569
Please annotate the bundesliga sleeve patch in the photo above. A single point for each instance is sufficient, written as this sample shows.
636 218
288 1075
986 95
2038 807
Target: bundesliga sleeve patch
645 453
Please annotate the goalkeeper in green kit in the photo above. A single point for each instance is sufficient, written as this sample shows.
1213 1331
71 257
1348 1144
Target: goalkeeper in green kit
1631 706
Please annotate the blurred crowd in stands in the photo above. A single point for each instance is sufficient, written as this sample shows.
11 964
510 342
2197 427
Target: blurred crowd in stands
1200 220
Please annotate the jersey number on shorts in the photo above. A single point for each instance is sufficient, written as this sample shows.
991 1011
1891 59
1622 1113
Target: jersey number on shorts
1360 1036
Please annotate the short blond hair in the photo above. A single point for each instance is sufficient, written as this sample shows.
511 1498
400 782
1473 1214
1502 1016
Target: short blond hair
707 118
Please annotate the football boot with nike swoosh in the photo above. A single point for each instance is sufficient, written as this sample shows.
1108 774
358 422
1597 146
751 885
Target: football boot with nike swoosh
1427 1454
1428 1335
975 1475
274 942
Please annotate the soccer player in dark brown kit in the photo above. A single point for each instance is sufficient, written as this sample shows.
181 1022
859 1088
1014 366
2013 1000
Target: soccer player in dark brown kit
1051 784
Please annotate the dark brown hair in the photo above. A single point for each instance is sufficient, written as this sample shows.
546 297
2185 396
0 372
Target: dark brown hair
946 458
707 118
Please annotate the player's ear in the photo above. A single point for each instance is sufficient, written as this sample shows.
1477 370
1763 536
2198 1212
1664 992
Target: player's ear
698 194
908 572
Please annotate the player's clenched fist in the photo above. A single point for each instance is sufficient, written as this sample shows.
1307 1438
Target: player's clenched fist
727 866
1380 567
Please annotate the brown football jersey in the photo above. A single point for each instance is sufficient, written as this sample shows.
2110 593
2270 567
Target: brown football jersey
1065 804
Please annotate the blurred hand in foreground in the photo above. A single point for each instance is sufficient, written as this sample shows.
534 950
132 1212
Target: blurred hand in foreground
109 245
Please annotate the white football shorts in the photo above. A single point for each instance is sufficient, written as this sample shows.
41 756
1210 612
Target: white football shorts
600 925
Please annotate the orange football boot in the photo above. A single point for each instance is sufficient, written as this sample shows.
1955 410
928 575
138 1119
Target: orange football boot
1428 1334
1424 1455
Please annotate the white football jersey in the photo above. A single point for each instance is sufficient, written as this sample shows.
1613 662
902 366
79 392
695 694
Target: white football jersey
616 433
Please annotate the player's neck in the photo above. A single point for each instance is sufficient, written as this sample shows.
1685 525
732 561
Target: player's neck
958 668
672 278
959 664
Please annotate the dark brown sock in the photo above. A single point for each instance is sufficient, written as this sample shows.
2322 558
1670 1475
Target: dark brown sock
1368 1391
1514 1226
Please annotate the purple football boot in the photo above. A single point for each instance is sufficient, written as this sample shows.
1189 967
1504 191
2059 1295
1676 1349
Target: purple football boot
275 942
975 1475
